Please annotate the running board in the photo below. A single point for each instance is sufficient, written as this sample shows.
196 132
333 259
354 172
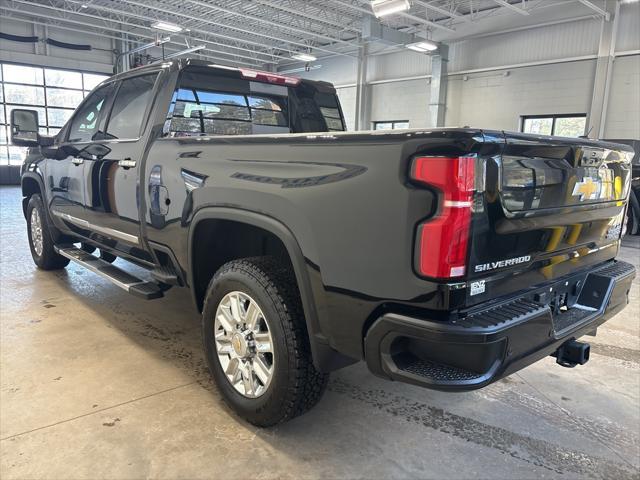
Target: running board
120 278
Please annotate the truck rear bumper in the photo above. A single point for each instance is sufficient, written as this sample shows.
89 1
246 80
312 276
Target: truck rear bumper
497 339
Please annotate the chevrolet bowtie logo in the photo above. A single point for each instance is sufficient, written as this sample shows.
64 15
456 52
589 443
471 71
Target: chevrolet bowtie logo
587 189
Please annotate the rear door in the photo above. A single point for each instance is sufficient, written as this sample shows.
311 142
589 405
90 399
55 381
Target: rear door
112 187
550 206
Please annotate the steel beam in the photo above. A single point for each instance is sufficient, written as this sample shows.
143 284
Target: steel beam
604 67
512 7
595 8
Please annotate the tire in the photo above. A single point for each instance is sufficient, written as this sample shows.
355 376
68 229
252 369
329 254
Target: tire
294 385
41 235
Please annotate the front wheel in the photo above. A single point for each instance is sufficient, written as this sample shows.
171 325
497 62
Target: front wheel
41 238
256 342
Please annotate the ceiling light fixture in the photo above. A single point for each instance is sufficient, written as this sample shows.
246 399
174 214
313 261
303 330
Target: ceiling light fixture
423 46
304 57
167 27
382 8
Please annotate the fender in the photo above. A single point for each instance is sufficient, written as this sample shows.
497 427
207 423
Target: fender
324 357
40 181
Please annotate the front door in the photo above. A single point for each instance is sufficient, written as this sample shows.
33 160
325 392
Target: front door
65 173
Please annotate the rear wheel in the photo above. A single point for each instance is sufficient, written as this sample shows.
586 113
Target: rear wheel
256 342
40 237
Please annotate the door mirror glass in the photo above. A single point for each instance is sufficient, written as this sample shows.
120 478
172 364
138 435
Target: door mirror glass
24 127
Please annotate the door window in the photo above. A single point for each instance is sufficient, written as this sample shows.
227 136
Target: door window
85 123
129 107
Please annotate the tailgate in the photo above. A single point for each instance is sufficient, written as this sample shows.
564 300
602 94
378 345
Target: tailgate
549 206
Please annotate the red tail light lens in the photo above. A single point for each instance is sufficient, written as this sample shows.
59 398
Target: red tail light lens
443 240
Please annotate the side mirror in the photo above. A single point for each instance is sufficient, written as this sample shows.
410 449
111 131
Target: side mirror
24 128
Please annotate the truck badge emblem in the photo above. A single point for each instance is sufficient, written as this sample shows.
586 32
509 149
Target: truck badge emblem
587 189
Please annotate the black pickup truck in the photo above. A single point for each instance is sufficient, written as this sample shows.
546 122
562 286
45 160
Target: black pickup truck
445 258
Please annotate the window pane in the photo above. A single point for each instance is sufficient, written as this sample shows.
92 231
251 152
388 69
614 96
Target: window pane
227 127
540 126
401 125
63 78
570 126
3 135
24 94
54 131
335 124
2 117
4 155
330 112
85 122
129 107
188 125
382 126
226 111
184 94
226 98
265 103
20 74
57 97
91 80
16 155
42 118
269 117
58 116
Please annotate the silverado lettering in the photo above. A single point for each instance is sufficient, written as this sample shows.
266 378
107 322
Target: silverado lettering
502 263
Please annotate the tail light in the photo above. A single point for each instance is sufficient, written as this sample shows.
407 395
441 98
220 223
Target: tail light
443 240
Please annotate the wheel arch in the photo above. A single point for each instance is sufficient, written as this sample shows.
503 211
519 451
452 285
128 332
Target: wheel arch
324 357
31 184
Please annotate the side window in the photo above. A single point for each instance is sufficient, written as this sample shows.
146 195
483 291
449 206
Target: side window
86 121
129 107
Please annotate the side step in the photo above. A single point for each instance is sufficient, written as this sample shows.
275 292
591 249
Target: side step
124 280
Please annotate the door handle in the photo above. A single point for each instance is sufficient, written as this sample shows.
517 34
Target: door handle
127 163
77 161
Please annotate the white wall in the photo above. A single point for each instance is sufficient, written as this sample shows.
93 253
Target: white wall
623 114
493 100
407 100
98 60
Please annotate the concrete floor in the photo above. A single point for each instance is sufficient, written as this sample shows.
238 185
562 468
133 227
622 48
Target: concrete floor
98 384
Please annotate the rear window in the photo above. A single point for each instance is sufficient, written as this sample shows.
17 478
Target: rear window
199 108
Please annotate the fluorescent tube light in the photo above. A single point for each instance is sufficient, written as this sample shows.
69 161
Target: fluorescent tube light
304 57
184 52
167 27
423 46
382 8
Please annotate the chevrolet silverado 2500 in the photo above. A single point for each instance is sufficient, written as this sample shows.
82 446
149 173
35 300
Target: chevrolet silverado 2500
444 258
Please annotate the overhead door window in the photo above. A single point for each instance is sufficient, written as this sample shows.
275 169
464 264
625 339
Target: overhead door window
52 92
560 125
129 108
